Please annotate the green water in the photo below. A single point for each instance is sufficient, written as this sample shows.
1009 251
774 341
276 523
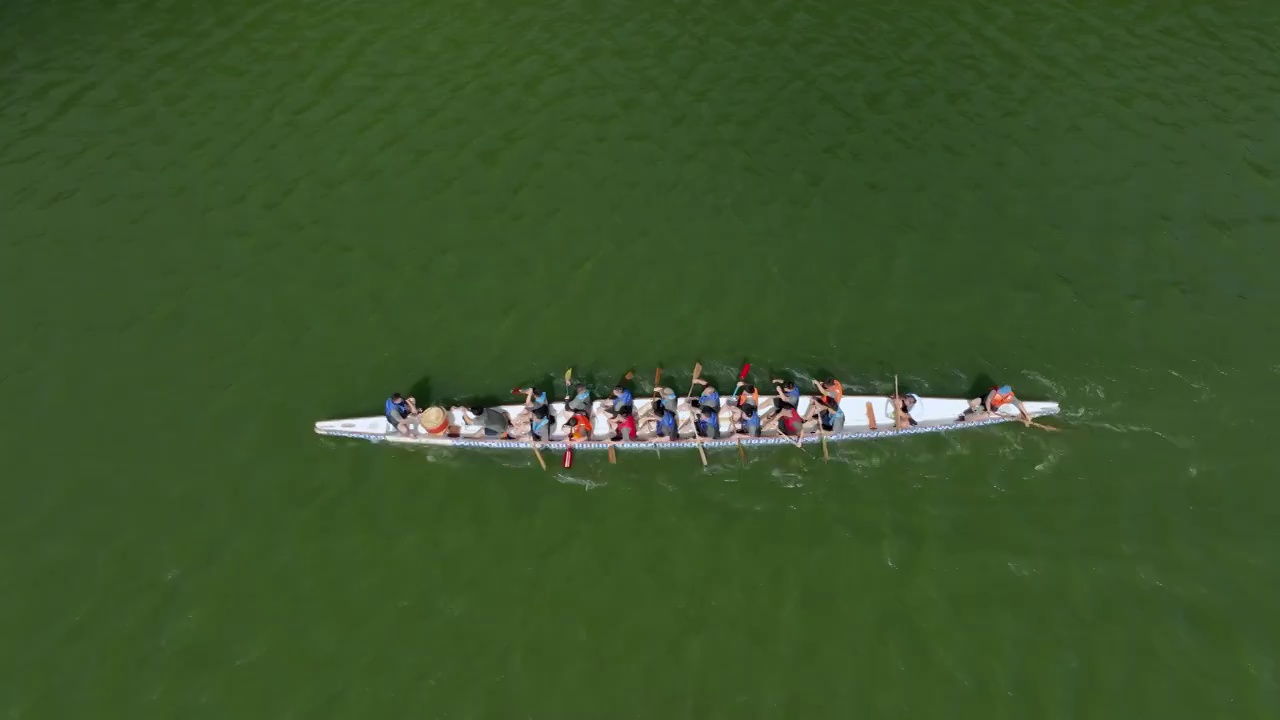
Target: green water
220 223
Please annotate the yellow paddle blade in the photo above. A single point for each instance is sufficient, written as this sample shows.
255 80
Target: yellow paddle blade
568 374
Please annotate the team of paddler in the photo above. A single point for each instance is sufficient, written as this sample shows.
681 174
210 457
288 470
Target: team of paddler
747 417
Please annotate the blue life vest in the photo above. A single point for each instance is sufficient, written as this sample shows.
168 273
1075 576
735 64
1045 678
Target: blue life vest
753 421
583 397
540 398
712 398
622 400
793 393
401 407
667 420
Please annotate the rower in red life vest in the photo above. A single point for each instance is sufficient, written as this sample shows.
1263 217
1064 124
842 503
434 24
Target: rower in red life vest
790 423
982 408
623 425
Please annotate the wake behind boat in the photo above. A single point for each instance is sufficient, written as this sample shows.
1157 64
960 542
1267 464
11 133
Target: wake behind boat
866 417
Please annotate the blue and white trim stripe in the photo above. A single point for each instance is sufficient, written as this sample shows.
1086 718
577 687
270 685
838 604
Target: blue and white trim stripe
663 444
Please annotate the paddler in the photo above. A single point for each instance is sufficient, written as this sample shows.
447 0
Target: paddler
905 405
790 423
829 414
494 421
667 398
746 397
580 402
748 420
402 413
709 397
578 427
623 424
707 424
534 398
982 408
620 400
831 388
663 423
788 396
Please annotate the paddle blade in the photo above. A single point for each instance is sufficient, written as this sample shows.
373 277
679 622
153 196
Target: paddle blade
697 370
568 458
746 368
567 375
538 455
516 391
657 377
613 457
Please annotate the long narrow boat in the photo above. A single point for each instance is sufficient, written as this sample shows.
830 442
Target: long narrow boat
867 417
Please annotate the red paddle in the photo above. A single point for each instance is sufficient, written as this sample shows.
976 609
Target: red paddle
746 368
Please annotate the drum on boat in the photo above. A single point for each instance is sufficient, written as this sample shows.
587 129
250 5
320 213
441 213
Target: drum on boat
434 420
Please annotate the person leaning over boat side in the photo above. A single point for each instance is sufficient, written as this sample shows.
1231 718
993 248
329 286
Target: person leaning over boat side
982 408
493 421
540 423
402 414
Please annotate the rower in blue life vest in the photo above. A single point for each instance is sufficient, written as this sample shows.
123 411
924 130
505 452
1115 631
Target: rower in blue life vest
667 398
580 403
707 424
788 397
402 413
620 400
748 420
662 423
709 397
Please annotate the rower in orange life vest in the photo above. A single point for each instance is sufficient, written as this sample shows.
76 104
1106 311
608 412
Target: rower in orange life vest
982 408
831 388
578 428
745 412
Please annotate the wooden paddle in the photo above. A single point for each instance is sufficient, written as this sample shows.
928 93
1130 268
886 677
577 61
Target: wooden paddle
568 448
613 457
822 434
897 406
536 452
697 372
742 454
698 441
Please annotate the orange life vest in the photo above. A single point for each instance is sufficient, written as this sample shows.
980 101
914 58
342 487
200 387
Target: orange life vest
837 390
753 398
582 431
1000 399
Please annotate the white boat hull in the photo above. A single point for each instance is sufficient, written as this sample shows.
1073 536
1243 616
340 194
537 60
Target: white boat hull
932 415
